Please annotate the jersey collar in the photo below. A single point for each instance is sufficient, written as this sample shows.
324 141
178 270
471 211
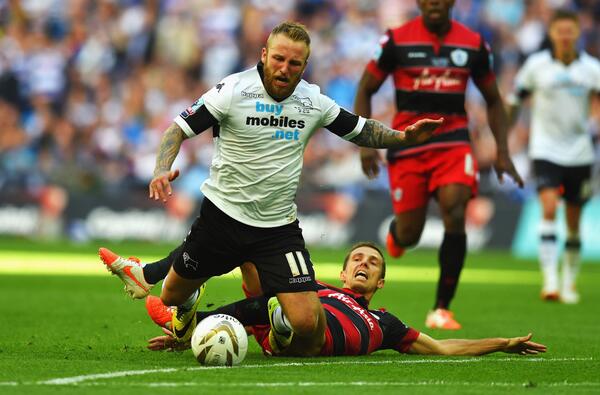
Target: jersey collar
556 59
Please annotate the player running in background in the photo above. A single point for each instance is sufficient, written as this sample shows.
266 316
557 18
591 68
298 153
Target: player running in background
561 83
262 119
352 327
431 59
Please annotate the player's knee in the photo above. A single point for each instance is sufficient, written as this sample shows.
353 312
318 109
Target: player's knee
305 321
454 217
407 235
408 240
549 210
305 325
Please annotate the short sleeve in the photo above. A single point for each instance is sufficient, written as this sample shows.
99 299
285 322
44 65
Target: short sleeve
482 68
340 121
396 334
218 99
209 110
195 119
384 60
329 109
347 125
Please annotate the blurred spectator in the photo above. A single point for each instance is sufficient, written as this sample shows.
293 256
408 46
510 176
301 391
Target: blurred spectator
87 87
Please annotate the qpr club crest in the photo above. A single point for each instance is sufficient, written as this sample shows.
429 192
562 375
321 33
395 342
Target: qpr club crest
459 57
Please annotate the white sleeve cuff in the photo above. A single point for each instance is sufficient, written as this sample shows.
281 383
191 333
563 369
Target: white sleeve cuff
184 126
357 129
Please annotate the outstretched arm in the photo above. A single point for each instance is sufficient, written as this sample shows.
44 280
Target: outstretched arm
426 345
160 187
376 135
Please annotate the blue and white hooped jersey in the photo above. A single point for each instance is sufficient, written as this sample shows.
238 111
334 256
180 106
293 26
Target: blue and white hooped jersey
258 157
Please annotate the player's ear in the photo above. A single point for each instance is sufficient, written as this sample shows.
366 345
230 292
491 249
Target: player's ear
263 55
380 283
343 276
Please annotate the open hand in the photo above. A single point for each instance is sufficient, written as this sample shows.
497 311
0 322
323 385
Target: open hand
370 159
167 342
505 165
524 346
160 186
421 131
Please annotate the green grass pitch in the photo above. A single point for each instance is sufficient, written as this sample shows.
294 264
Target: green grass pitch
68 328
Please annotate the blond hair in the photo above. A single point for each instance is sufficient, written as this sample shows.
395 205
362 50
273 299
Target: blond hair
295 31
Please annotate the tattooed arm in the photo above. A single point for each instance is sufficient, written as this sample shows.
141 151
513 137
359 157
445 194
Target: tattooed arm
160 187
376 135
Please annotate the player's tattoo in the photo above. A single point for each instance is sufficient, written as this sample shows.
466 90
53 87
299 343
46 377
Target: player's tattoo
169 148
376 135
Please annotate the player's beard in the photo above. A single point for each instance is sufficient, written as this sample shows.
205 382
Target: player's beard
279 92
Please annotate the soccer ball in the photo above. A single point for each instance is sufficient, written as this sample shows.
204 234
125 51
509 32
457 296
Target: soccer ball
219 340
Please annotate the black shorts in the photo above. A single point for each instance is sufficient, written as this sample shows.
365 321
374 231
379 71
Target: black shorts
575 181
217 243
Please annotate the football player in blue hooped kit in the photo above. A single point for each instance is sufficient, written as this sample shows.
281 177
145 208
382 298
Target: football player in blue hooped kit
262 119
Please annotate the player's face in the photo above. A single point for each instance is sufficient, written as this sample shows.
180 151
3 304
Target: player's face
284 63
363 271
564 34
435 12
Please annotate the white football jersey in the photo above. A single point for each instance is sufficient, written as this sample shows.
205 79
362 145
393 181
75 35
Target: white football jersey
560 106
258 157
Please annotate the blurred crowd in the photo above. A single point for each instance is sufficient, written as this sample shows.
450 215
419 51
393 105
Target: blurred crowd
88 86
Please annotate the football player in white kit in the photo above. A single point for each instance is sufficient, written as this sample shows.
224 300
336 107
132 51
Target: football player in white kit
561 82
262 119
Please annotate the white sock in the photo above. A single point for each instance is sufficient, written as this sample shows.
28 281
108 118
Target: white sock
571 263
280 321
548 254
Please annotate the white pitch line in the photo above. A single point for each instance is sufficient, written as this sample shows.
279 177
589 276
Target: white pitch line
110 375
89 377
348 384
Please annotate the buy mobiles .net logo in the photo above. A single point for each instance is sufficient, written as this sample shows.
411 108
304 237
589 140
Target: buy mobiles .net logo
276 120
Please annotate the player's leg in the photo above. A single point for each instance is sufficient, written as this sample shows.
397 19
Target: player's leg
285 269
548 181
549 198
154 272
571 257
577 192
453 200
306 315
454 180
252 312
138 277
210 249
408 186
250 280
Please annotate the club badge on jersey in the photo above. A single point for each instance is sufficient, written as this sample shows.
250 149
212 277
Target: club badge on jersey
191 110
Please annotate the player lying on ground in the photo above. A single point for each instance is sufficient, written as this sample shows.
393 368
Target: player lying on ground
352 328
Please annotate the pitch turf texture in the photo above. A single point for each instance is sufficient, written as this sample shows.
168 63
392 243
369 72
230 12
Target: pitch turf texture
69 328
